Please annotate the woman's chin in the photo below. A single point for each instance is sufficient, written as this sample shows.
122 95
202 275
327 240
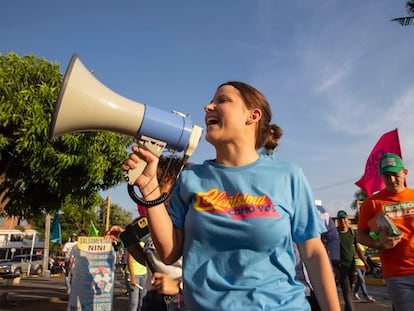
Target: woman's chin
211 139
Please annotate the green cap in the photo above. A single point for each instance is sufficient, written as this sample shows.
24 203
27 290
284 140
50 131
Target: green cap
390 162
341 214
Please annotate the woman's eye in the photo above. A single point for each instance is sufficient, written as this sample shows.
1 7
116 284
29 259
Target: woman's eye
221 100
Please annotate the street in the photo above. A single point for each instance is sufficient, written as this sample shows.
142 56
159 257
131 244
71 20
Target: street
49 294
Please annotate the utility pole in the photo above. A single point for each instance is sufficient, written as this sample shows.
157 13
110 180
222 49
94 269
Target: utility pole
46 272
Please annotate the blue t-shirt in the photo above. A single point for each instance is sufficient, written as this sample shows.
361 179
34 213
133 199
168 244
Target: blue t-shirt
239 223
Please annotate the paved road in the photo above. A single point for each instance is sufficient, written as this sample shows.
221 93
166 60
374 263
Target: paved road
382 302
49 294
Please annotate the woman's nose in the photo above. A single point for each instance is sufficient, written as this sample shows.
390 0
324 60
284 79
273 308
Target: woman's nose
209 106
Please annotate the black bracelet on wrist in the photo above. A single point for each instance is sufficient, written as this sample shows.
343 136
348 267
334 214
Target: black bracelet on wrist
161 199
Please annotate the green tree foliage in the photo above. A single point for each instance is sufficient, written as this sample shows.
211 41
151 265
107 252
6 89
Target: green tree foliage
117 216
38 176
74 220
406 20
409 5
359 195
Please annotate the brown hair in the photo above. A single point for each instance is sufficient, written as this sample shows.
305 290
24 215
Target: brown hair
252 98
273 137
169 167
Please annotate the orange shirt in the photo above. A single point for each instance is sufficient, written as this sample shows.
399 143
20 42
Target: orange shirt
398 261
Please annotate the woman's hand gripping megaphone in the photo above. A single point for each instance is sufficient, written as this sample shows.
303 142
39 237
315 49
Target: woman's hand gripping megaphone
145 163
140 168
153 146
141 156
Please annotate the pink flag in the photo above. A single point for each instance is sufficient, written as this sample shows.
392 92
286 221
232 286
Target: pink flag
371 182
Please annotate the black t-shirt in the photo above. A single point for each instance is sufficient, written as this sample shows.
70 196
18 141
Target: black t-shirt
348 241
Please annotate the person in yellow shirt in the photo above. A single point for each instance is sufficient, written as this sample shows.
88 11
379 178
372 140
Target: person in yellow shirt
361 270
136 274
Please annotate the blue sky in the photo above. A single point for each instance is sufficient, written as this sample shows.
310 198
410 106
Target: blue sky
338 74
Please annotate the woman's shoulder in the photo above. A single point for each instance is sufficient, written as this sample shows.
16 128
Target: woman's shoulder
194 167
287 165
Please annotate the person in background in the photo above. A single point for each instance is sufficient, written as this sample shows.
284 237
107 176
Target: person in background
395 201
124 263
165 282
329 238
136 274
66 252
361 270
348 247
234 218
75 250
82 288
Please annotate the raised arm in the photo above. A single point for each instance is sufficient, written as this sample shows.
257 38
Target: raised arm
167 239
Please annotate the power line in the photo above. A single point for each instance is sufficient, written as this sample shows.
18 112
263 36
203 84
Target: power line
336 184
353 180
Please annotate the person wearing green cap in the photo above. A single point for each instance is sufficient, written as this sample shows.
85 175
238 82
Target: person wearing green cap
346 269
396 203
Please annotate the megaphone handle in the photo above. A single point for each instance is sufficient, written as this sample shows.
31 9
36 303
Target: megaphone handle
155 146
132 175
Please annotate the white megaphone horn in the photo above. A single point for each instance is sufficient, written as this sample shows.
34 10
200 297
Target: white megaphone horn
85 104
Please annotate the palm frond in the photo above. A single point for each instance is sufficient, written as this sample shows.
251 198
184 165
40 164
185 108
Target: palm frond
404 21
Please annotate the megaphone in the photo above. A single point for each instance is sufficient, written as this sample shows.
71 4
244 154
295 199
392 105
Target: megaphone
85 104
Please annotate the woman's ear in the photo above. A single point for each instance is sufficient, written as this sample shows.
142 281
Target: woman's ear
254 116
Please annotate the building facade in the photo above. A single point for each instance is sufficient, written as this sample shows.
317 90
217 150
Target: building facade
18 242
